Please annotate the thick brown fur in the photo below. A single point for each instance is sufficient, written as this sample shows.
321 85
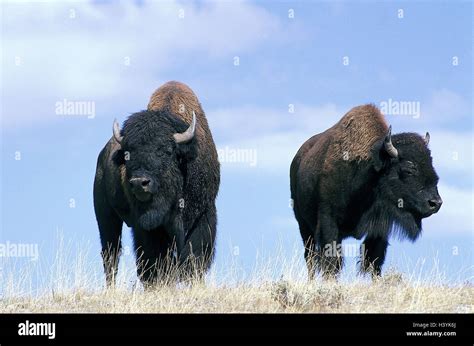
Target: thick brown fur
344 183
356 133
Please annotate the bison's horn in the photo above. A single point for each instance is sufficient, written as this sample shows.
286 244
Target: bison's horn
116 129
391 150
427 138
187 135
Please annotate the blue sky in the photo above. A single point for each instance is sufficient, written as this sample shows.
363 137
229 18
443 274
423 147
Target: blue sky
326 59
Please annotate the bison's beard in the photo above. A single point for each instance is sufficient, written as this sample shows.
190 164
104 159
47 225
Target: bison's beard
150 219
407 225
152 214
383 218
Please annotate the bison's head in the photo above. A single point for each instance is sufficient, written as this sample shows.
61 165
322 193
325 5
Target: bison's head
407 179
155 148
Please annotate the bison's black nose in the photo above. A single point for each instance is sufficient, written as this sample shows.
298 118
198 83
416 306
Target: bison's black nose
435 204
140 182
141 187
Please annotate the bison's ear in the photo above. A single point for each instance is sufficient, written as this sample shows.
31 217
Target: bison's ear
379 158
119 157
384 151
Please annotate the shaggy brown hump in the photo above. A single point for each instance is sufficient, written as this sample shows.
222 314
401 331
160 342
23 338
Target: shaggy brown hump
177 98
358 130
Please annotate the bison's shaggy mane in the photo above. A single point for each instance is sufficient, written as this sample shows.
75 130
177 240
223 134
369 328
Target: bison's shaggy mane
151 126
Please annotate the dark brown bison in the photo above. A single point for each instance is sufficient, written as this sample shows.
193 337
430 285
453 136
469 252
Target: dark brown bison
356 179
159 175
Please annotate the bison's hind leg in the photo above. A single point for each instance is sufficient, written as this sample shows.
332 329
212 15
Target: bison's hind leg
330 259
309 241
310 249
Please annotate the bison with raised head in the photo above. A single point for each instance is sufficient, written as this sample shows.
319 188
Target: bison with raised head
356 179
160 175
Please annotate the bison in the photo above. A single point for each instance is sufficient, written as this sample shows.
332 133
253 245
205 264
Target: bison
160 175
356 179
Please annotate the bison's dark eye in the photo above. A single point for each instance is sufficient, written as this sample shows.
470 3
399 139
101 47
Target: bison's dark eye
408 168
119 157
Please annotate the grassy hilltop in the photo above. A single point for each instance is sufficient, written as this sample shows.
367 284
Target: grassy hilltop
79 287
390 294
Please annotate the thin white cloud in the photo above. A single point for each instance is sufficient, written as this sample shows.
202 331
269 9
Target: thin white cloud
456 214
446 107
274 134
443 109
452 152
246 122
84 58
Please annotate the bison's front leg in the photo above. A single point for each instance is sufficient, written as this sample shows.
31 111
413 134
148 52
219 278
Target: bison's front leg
373 251
177 234
198 251
151 250
330 248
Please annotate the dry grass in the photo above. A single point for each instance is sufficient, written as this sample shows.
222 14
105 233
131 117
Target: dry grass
282 296
72 288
